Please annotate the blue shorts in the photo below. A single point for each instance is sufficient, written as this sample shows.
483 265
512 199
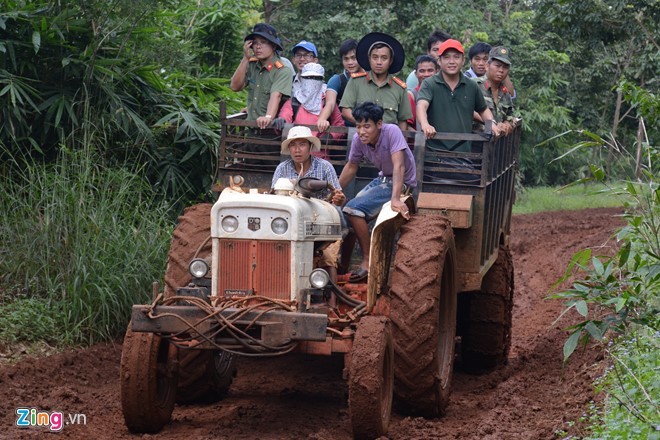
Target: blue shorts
368 202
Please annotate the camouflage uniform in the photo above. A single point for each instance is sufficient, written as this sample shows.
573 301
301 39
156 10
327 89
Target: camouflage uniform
503 112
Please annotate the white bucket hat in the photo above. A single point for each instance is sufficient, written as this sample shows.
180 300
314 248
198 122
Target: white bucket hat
313 70
301 133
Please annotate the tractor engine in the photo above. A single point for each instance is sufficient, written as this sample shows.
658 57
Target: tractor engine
264 244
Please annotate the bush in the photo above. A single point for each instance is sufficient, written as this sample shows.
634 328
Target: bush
83 241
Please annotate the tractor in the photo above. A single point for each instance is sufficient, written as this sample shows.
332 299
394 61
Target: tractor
241 281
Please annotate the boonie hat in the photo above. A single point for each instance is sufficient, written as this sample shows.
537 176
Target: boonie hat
366 44
266 31
308 46
312 70
500 53
301 133
450 44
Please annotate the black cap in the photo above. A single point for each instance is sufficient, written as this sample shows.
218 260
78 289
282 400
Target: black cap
365 44
266 31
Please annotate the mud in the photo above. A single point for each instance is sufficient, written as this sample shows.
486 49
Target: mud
305 397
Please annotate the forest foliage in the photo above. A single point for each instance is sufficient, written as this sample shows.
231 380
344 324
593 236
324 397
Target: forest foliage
155 77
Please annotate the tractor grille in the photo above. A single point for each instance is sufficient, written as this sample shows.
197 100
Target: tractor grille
250 267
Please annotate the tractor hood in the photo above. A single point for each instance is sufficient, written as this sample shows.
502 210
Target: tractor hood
254 216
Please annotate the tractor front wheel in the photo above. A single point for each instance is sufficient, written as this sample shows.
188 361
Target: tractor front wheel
371 378
148 375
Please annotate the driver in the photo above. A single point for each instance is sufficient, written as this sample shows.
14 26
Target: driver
300 144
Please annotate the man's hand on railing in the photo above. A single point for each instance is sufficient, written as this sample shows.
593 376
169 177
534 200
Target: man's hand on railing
322 125
429 130
264 121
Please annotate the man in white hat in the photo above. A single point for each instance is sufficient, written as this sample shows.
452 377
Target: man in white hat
300 144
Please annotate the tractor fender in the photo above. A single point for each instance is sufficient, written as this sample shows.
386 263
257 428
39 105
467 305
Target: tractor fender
382 244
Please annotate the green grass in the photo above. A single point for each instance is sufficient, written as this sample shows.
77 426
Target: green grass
80 242
539 199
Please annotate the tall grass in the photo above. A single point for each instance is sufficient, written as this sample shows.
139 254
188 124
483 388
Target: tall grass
544 198
80 242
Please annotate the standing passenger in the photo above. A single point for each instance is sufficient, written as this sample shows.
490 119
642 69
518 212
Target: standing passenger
383 56
261 70
337 83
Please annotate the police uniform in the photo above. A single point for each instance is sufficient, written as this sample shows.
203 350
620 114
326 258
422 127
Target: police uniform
391 96
503 111
262 80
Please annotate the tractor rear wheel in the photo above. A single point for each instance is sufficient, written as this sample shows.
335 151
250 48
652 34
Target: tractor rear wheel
204 376
423 314
484 318
371 378
148 381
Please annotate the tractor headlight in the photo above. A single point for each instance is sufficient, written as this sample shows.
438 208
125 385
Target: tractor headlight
319 278
279 225
229 223
198 268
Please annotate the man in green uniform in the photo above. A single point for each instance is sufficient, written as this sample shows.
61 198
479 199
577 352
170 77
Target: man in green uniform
382 55
263 72
497 95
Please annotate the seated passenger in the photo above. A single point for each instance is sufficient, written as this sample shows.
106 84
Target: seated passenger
386 148
300 144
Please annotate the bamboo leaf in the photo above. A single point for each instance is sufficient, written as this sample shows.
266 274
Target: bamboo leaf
36 41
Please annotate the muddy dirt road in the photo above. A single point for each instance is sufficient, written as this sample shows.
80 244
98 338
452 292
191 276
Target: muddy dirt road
304 397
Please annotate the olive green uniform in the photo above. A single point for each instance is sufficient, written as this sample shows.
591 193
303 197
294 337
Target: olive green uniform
503 111
391 96
262 80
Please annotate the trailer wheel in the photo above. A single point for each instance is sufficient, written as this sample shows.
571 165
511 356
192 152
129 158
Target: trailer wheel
423 314
484 318
371 378
148 376
204 376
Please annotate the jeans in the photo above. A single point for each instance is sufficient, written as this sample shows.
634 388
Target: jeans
368 202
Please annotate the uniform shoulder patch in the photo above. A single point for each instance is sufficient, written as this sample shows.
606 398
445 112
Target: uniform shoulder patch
400 82
358 74
279 64
253 59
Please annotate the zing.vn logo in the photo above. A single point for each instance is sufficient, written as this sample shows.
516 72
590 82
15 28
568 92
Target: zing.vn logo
27 417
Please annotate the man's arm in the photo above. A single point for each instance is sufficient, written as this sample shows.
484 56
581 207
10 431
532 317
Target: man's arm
324 117
422 118
487 115
273 104
398 171
238 78
348 174
347 113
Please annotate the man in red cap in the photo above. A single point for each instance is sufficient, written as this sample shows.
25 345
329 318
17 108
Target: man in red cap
447 101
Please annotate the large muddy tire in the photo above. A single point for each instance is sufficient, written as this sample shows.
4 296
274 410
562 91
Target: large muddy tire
148 376
204 377
371 378
191 238
423 314
484 318
209 375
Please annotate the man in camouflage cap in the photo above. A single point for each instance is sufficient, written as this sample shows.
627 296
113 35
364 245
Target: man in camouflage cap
497 95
